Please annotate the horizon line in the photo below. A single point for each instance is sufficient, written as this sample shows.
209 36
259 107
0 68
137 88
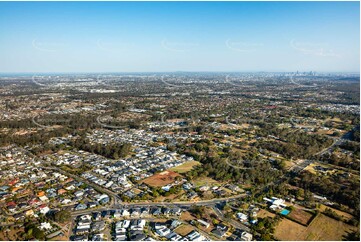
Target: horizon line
120 72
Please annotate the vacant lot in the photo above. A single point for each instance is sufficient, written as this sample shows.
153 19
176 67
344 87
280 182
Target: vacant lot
184 229
185 167
321 228
264 213
161 179
326 228
301 216
201 181
288 230
186 216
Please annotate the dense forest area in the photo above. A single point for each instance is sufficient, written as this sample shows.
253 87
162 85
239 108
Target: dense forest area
351 91
345 161
220 164
111 151
40 135
336 188
324 114
70 121
296 144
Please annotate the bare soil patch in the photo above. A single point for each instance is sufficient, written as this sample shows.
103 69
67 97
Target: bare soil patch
184 229
301 216
161 179
264 213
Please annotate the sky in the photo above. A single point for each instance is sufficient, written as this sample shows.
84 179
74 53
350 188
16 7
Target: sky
179 36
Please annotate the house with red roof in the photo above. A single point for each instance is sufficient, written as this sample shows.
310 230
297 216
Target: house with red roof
13 182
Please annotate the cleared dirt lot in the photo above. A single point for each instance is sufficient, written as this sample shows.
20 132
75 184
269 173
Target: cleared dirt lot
161 179
264 213
184 229
186 216
301 216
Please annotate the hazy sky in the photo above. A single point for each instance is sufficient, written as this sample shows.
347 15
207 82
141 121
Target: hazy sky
188 36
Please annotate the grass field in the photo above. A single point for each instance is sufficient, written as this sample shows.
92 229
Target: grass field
325 228
288 163
321 228
301 216
311 168
345 215
201 181
161 179
185 167
288 230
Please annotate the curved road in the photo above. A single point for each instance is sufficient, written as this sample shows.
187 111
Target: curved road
116 202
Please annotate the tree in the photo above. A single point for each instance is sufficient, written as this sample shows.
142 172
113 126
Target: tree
32 230
38 234
353 236
155 193
300 193
62 216
115 156
336 134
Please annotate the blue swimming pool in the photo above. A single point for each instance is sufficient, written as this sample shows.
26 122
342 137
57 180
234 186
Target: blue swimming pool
285 212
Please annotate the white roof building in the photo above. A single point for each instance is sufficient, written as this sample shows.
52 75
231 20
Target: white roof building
245 236
276 202
45 226
242 216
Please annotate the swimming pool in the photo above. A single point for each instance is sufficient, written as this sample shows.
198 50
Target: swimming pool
285 212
